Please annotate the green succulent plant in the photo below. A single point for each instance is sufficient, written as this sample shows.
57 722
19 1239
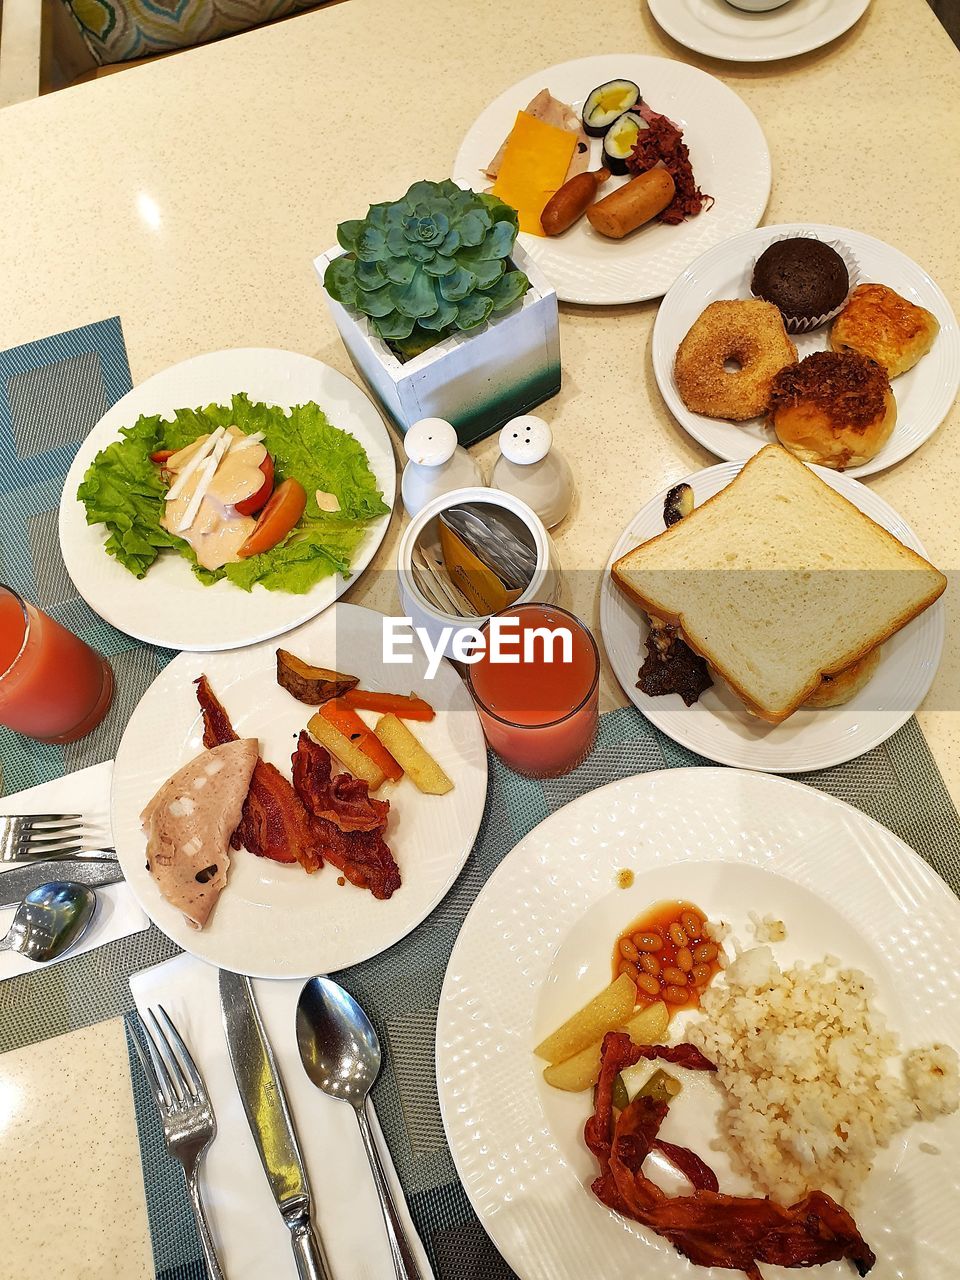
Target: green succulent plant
432 262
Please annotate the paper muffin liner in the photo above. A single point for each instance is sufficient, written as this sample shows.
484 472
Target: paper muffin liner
804 324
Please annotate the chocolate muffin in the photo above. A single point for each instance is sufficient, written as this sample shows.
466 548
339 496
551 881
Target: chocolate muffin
805 278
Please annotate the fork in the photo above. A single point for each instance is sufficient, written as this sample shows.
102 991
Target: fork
189 1125
46 836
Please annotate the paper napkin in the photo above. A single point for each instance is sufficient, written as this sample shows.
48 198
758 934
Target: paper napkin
118 913
251 1238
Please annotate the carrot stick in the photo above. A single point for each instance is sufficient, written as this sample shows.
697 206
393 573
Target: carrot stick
406 707
344 718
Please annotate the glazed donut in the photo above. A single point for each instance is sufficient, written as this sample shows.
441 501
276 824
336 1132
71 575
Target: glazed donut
750 332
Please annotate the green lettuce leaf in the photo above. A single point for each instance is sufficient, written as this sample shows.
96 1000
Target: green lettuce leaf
123 490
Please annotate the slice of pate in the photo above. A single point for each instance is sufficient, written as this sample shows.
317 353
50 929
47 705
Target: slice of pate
189 823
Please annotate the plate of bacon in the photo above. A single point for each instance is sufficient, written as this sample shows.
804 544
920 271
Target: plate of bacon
763 1079
695 127
277 851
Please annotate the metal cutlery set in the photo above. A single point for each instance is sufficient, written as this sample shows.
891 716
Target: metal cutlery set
53 912
338 1045
49 837
341 1055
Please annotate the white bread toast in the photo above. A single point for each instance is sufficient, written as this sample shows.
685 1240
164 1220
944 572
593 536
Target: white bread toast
778 581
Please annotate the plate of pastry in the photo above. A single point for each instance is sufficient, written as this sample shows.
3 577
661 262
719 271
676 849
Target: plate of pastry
771 615
624 168
826 339
756 30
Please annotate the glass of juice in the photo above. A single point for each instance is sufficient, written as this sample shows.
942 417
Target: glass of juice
537 689
53 686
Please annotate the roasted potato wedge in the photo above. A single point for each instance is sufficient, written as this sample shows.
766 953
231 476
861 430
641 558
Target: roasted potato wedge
605 1012
412 757
312 685
349 755
582 1070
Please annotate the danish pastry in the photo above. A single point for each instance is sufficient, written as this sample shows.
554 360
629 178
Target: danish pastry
879 323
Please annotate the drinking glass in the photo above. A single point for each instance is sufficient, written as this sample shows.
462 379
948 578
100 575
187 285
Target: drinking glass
53 686
540 716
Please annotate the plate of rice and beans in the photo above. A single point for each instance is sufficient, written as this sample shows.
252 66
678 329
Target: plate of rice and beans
706 1017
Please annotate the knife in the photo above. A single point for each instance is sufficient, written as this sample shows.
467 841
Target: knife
265 1104
16 883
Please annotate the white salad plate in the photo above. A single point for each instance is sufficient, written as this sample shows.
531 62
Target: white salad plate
721 30
718 726
923 394
536 946
273 920
169 606
729 154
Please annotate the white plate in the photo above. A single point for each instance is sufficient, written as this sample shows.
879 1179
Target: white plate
536 945
718 726
275 921
719 30
924 394
727 149
169 606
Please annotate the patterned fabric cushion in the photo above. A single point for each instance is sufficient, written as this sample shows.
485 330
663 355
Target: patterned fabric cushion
117 30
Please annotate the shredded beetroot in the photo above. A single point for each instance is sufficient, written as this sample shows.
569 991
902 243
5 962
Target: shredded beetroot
662 143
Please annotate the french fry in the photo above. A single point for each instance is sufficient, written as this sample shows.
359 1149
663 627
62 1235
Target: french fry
351 726
605 1012
339 745
649 1026
412 756
583 1069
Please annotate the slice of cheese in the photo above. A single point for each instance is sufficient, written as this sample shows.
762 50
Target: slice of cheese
534 166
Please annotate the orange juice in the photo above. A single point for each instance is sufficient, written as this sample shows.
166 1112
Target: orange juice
539 711
52 685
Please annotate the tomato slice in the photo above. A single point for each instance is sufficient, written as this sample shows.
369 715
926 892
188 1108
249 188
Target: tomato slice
277 518
250 506
162 455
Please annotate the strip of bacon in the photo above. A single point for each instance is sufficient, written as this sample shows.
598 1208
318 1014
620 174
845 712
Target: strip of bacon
362 855
341 798
618 1052
712 1230
274 824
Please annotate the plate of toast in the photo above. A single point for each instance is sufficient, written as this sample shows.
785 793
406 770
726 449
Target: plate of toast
826 339
772 615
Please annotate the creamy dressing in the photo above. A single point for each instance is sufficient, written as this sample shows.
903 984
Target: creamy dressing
217 531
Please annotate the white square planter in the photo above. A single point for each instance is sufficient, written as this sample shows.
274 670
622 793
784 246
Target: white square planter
477 380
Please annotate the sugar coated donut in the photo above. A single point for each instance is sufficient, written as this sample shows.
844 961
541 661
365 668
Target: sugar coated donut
749 333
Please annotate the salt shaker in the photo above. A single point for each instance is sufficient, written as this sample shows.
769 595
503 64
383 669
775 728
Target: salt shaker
530 469
436 464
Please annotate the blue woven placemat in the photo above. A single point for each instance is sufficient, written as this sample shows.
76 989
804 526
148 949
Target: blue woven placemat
51 393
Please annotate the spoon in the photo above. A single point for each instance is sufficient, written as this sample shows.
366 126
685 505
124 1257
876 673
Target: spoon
50 919
341 1055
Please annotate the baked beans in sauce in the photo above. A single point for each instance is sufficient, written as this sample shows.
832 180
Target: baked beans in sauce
668 955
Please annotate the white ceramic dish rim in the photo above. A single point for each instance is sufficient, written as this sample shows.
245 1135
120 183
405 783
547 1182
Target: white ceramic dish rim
661 11
767 757
711 433
266 373
886 855
649 261
371 930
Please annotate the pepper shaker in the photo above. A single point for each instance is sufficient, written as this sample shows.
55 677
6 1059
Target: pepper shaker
436 464
532 470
